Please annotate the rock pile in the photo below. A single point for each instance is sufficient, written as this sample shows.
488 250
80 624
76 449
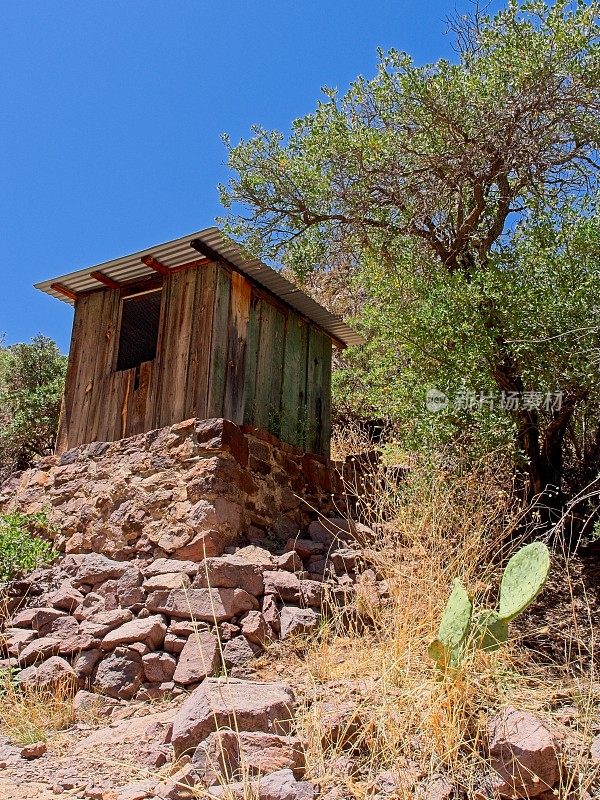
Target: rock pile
144 628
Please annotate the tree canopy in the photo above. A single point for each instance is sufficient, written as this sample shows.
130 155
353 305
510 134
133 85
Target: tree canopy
462 197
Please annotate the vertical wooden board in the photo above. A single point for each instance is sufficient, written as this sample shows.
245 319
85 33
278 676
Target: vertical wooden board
87 383
219 344
137 413
293 390
181 316
200 343
68 412
153 403
316 405
239 311
107 336
269 369
325 440
251 361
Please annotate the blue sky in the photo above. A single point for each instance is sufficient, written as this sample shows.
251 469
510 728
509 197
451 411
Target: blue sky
112 114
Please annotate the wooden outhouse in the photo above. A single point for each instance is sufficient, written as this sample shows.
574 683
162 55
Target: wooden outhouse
195 328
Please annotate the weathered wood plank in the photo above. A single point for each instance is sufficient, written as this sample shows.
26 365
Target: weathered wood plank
219 344
293 390
86 388
200 343
181 316
269 369
107 342
316 391
324 443
251 360
68 411
153 403
239 311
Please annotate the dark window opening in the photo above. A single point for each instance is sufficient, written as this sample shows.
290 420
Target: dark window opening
140 318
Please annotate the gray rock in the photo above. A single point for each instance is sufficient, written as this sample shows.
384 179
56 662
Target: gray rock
238 651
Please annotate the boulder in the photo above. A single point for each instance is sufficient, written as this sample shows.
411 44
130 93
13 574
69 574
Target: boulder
55 672
129 589
283 584
85 662
66 597
312 593
294 621
151 631
162 566
44 617
205 605
256 629
282 785
158 667
38 650
226 753
304 547
231 572
523 754
15 639
87 706
93 568
238 651
199 658
119 675
168 580
99 624
236 704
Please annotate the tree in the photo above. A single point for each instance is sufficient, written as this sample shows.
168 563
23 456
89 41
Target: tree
437 183
31 385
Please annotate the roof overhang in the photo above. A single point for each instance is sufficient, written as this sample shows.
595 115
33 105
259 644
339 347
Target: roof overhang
182 251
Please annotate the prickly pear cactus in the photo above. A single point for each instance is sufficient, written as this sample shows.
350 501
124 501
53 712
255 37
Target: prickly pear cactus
489 631
523 579
454 627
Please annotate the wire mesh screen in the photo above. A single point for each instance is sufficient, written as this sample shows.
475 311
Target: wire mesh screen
139 329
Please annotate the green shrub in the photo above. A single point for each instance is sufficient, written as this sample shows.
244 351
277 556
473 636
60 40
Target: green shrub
22 547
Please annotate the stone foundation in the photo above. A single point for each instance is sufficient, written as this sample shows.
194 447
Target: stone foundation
186 491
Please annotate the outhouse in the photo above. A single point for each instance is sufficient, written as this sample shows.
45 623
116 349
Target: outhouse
195 328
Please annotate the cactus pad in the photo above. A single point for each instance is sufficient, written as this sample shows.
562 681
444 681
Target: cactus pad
457 616
523 579
490 631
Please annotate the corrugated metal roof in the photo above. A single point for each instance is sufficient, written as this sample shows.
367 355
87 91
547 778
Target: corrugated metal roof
179 251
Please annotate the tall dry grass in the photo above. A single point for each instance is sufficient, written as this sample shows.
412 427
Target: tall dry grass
430 528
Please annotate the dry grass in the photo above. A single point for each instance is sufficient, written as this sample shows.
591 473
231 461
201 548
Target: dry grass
31 714
431 529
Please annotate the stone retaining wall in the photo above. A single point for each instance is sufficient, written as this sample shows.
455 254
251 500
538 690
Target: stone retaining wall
185 491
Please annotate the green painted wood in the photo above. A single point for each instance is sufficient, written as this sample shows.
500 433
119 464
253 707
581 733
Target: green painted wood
316 391
251 360
218 357
293 390
269 372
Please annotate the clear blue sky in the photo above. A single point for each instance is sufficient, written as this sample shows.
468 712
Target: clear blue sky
112 114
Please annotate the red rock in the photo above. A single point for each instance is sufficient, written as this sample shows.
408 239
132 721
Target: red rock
227 752
243 705
304 547
15 639
311 593
205 544
162 566
295 621
23 618
199 658
282 785
36 750
53 672
270 612
158 667
44 617
39 650
168 581
101 623
523 754
231 572
151 631
119 675
66 597
256 629
205 605
282 584
290 561
94 568
239 651
85 662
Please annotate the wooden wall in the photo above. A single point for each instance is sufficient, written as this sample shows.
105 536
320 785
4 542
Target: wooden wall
225 349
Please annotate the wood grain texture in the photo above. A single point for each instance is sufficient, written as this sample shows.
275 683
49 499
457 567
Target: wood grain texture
223 349
239 313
